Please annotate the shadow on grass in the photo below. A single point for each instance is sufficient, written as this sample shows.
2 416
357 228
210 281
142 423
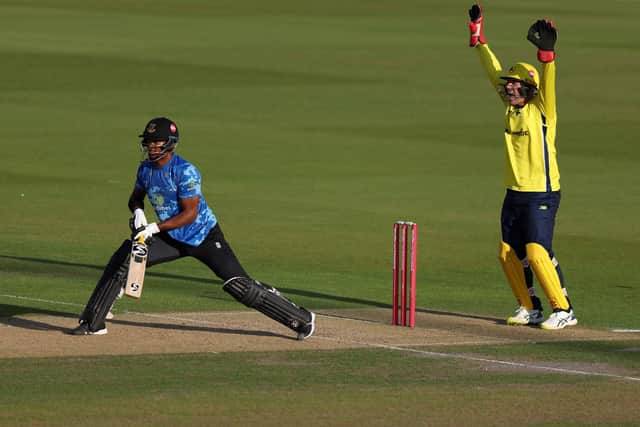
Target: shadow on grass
286 291
8 310
8 313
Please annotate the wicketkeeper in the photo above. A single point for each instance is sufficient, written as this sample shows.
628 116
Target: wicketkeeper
532 177
187 227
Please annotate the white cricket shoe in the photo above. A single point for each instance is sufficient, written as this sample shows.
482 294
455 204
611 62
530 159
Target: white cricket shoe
559 319
525 317
308 329
83 329
109 315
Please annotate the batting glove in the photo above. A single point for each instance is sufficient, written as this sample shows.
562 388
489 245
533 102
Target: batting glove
147 232
476 26
543 35
138 219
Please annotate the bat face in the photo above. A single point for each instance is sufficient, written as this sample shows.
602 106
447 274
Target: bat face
137 267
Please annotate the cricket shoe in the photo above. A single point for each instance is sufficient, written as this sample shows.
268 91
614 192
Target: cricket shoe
109 315
525 317
559 320
83 329
308 329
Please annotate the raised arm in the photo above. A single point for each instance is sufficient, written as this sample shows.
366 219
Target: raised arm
543 35
489 62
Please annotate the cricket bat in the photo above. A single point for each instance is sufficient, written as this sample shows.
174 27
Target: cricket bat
137 267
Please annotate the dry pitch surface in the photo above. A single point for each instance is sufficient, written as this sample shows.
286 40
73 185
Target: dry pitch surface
215 332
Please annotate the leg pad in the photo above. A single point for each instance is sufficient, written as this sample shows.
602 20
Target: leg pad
268 301
108 288
514 271
547 275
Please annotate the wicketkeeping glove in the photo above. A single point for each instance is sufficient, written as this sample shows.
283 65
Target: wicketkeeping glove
476 26
543 35
147 232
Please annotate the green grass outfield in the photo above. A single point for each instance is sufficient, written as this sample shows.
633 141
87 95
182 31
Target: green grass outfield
315 125
345 388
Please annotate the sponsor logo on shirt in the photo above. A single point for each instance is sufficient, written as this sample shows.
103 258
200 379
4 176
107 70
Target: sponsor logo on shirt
158 200
521 132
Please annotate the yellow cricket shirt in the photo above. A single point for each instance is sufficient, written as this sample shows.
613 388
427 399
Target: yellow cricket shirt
529 132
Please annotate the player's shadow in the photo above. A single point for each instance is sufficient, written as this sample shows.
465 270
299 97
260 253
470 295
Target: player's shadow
9 312
10 316
359 301
193 328
286 291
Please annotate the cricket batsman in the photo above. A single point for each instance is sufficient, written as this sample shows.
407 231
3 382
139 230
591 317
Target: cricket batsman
531 175
187 227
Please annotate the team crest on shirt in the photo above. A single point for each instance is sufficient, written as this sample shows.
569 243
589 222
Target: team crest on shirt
158 200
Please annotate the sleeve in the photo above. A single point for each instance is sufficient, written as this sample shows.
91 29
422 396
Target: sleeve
190 183
547 95
139 183
491 66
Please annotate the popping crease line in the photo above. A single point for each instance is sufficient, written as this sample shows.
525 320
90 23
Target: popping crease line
42 300
355 319
136 313
485 360
383 346
448 343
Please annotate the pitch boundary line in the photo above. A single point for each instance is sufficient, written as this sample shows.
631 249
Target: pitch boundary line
383 346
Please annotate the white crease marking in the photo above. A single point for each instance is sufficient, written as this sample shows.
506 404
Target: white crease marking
384 346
